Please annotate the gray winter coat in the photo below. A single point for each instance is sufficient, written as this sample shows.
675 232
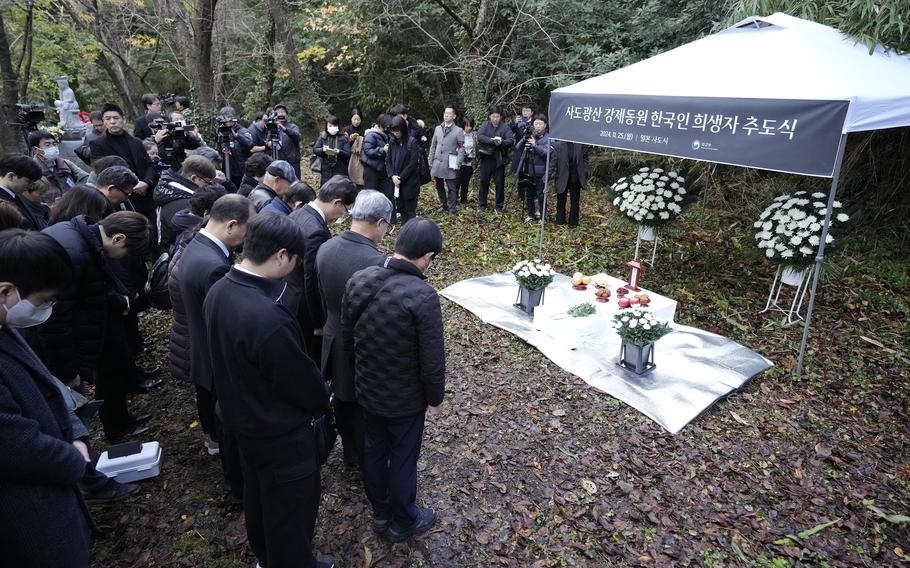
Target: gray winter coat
443 146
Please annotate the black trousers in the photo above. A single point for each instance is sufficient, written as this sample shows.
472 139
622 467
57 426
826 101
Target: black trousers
464 181
349 422
407 207
228 452
573 192
280 502
447 191
391 447
489 170
114 371
534 190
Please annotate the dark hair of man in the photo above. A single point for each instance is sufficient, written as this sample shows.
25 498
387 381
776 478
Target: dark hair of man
398 109
452 108
96 115
300 191
134 226
184 102
120 177
527 106
37 136
267 234
541 116
149 99
401 125
204 198
331 120
80 200
111 107
418 237
338 187
231 207
106 162
384 121
10 218
468 121
198 166
21 165
228 111
280 105
256 164
33 261
494 109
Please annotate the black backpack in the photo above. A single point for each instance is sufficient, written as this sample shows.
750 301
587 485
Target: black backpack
156 289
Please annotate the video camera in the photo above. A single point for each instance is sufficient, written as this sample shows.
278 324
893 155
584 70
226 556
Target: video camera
526 131
30 115
224 126
271 123
167 99
177 130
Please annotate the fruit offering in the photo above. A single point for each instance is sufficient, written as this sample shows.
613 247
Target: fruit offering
622 291
624 302
602 294
643 299
578 281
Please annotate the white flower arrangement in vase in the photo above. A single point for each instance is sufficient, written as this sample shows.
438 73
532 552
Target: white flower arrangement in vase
789 229
533 276
651 197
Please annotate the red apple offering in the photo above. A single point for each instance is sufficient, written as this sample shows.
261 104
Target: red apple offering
623 302
622 291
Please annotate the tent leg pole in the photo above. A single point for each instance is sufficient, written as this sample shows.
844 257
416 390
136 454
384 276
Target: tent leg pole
543 210
821 253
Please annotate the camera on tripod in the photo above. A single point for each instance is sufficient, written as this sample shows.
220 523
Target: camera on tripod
527 131
167 99
271 124
30 115
224 126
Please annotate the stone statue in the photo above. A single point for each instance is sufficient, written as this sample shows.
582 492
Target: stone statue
68 109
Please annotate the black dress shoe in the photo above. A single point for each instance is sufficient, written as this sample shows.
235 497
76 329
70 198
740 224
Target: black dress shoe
112 491
381 526
147 372
426 518
137 419
131 432
145 385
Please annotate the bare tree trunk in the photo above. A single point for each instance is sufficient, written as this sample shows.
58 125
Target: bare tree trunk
269 89
129 95
309 100
27 51
199 58
10 136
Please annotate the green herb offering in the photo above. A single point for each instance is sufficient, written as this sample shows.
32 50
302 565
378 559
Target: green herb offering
582 310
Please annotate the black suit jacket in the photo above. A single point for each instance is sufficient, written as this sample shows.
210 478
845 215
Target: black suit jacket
202 265
130 149
30 220
305 276
570 155
336 261
43 519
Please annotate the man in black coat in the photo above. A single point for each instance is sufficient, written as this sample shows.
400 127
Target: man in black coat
174 191
398 377
76 342
304 298
270 392
17 174
43 519
205 261
116 142
336 261
152 104
571 178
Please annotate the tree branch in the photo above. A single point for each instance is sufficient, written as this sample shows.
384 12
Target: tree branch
456 16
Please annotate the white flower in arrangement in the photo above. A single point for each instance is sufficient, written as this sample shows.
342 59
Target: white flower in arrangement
787 254
836 204
820 205
636 178
633 324
814 240
806 250
843 217
645 169
769 253
829 239
818 195
652 175
658 171
796 241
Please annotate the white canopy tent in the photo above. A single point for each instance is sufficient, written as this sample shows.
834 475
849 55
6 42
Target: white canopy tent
777 93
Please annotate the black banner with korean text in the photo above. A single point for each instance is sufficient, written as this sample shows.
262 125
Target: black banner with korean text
794 136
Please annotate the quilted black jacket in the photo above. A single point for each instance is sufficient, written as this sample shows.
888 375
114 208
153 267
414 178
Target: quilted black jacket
392 322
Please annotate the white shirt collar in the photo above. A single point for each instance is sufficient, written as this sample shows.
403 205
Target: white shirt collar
250 272
318 210
215 240
9 191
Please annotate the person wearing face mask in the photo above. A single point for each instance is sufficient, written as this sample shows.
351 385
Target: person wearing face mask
336 261
81 338
44 450
333 202
61 174
334 149
17 174
174 191
204 261
398 378
270 392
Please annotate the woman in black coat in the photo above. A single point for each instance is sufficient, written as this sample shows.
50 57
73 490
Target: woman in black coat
494 140
373 155
43 519
402 164
332 146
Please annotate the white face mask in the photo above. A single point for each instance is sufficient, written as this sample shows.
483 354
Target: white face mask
26 314
51 154
333 130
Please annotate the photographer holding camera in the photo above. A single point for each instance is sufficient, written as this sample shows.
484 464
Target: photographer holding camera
141 128
522 129
234 143
533 150
174 137
290 138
